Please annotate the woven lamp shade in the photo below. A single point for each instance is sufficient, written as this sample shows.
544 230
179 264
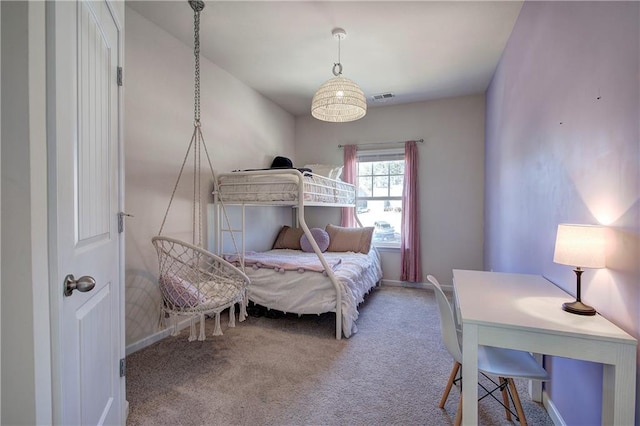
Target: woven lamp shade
339 100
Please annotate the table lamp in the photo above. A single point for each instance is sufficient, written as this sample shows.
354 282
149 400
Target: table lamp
582 246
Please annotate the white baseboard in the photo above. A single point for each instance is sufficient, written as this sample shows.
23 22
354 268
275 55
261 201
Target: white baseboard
397 283
125 412
156 337
553 412
424 286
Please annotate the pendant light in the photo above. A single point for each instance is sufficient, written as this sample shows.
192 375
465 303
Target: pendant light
339 99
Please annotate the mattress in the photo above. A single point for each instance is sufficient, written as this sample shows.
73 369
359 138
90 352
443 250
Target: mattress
304 291
282 186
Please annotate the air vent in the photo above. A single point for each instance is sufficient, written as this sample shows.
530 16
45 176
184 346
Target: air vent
382 97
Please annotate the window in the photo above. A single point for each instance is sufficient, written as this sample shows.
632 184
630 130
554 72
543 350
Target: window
380 176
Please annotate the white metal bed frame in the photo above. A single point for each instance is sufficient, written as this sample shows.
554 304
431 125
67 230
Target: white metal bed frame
299 203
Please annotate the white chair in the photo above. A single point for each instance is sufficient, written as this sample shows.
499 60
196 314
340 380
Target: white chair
506 364
195 283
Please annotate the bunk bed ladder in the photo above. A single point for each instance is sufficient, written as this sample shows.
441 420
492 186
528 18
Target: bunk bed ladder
224 227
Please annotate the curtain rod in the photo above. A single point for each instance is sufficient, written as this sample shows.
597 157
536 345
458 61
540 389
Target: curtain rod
380 143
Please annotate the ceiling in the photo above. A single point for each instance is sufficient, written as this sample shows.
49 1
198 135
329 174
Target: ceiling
417 50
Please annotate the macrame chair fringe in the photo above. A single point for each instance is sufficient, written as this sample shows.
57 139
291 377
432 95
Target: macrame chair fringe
243 308
217 331
174 324
162 320
192 329
232 316
202 336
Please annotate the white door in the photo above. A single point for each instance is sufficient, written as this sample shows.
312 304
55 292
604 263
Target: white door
87 243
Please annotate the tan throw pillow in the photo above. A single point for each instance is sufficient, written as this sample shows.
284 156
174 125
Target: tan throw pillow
288 238
349 239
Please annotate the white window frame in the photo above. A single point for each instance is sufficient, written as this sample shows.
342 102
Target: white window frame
388 154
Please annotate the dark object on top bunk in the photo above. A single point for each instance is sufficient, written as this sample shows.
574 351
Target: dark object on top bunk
281 163
305 171
285 163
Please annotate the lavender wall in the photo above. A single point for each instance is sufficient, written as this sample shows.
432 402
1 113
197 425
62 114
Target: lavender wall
563 145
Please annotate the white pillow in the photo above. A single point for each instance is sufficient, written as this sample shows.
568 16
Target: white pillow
180 293
337 172
326 170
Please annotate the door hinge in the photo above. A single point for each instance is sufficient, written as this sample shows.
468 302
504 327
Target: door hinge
121 216
123 367
119 76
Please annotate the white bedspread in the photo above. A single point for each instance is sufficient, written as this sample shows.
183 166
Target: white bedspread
283 260
312 292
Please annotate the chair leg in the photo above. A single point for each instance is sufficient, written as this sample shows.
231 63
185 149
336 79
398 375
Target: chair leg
516 402
447 389
505 396
458 419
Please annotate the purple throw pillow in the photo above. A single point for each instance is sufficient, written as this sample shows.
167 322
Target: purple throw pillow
322 239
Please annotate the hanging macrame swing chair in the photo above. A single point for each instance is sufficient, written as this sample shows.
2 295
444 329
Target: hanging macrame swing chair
194 282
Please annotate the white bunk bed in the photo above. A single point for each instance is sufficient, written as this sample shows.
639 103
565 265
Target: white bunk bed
337 290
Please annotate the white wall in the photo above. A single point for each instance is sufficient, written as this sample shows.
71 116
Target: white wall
0 213
451 173
26 364
241 128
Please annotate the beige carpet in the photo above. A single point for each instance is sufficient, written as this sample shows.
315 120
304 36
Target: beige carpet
292 371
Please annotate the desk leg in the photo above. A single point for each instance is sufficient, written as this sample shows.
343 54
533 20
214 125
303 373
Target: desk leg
618 389
535 386
470 374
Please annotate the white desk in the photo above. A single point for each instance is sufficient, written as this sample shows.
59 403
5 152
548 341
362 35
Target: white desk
525 312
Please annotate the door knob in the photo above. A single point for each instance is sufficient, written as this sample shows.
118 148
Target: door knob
82 284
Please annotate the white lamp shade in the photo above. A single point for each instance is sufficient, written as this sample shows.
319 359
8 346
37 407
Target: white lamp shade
580 245
339 100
